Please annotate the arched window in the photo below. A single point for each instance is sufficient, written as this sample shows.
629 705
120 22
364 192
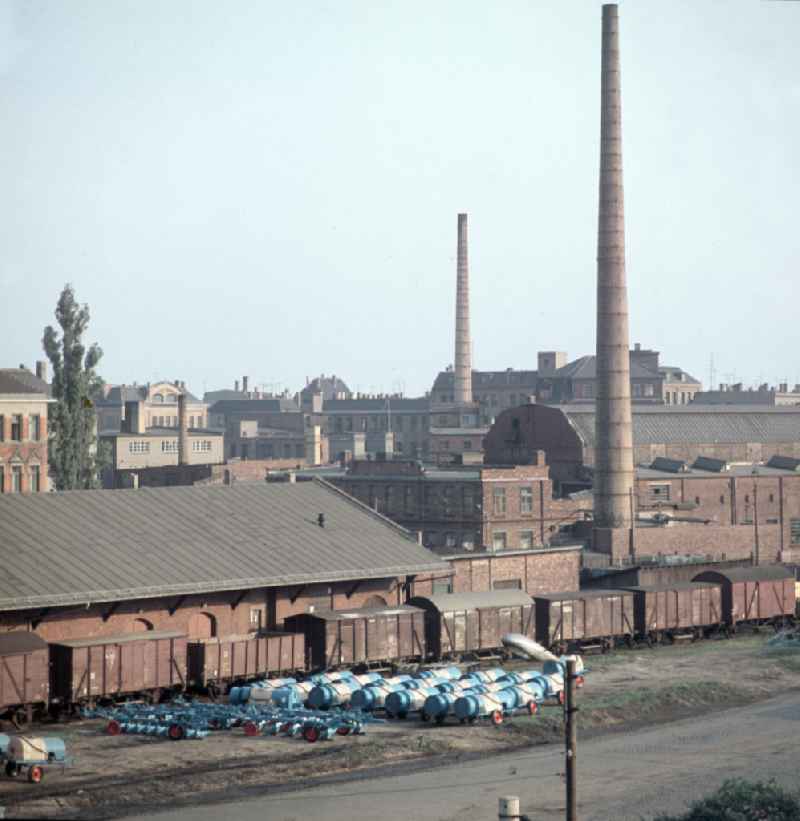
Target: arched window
375 601
202 626
141 625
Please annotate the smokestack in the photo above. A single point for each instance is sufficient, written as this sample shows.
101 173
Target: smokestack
245 380
236 385
462 393
614 453
183 431
41 370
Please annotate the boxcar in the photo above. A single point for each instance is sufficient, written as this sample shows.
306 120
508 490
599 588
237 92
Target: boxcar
238 658
584 617
24 675
470 623
361 636
85 670
754 594
680 608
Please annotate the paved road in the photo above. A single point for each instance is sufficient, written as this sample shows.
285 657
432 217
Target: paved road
621 776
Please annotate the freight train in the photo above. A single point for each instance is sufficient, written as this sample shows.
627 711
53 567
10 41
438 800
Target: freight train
37 677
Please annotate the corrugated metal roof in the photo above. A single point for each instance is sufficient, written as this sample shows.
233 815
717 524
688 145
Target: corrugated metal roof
666 424
111 545
445 602
362 612
18 642
745 574
574 595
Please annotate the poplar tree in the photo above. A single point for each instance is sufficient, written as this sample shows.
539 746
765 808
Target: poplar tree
74 455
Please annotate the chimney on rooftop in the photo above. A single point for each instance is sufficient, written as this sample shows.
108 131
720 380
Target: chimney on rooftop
245 380
236 385
41 370
614 455
462 392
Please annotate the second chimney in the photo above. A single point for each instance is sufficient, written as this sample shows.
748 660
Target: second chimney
462 393
183 431
245 380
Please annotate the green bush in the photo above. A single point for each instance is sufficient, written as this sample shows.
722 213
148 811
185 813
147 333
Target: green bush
740 800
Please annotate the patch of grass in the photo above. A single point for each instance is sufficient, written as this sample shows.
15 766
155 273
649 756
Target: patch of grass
788 659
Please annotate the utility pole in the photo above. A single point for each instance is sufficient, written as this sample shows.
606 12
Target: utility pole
755 520
570 733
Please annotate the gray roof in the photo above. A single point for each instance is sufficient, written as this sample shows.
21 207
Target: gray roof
244 407
395 404
446 602
328 386
764 572
21 381
586 368
112 545
125 638
362 612
486 380
18 642
670 424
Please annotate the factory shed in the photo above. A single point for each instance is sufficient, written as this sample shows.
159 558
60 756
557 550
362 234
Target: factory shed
211 561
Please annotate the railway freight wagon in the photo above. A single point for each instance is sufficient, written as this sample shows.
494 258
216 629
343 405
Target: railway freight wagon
458 624
583 618
88 670
350 637
672 610
24 676
754 594
215 661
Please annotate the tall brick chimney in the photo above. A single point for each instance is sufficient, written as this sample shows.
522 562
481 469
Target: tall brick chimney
462 393
183 431
613 484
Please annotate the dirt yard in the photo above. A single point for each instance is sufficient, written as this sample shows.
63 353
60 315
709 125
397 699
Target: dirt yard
115 776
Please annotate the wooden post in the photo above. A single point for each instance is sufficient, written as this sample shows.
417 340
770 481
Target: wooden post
570 728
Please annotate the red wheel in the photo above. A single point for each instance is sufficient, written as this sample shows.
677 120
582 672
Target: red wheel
533 708
561 697
114 727
311 734
250 728
343 731
176 732
35 774
497 717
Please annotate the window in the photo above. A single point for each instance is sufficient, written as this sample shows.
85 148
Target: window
507 584
658 493
35 483
442 586
468 444
525 539
722 500
697 500
138 446
169 446
201 445
16 479
526 500
649 389
794 528
772 497
255 618
36 427
409 499
499 540
450 539
499 500
16 428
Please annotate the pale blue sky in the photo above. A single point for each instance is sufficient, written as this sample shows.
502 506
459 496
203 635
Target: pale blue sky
271 188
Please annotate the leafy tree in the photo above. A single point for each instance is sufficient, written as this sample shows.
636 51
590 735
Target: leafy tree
74 455
740 800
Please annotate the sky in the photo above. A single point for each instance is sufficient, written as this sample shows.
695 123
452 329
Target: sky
271 188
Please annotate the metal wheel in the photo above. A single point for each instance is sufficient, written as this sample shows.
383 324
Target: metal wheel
311 734
20 719
497 717
35 774
11 769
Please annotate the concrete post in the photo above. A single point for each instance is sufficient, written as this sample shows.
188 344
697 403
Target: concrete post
462 393
614 451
